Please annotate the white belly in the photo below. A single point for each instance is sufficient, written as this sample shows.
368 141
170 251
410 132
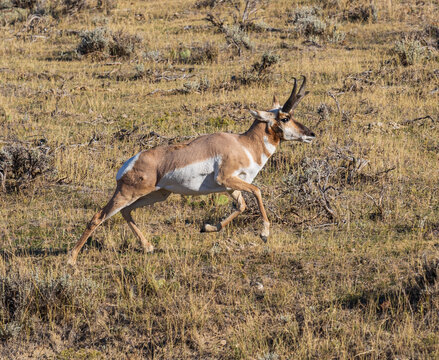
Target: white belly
193 179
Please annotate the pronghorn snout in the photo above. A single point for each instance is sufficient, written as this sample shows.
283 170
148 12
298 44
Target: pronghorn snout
309 136
303 134
307 139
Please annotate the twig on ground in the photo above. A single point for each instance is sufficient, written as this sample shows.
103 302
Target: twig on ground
407 122
382 172
336 101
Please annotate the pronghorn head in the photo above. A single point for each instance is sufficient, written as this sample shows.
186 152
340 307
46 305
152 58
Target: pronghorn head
281 120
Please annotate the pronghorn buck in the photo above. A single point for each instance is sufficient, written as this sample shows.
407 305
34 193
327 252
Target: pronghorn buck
221 162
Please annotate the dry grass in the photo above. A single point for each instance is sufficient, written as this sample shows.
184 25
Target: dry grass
351 268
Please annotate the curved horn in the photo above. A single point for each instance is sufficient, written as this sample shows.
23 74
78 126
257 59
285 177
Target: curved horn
295 98
300 94
289 104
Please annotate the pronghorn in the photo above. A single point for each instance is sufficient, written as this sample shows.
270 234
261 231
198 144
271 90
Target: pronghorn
221 162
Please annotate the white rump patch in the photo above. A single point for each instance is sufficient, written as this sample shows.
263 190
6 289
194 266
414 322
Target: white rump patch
194 179
127 166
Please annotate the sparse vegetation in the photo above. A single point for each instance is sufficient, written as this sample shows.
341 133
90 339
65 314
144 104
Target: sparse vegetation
409 52
20 165
260 72
93 41
236 36
197 53
362 13
72 6
306 21
336 36
106 5
101 41
25 296
24 4
351 269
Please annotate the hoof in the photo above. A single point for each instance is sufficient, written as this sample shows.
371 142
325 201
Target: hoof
71 262
210 228
71 267
148 249
264 238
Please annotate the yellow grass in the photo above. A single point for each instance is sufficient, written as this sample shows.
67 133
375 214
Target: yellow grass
361 284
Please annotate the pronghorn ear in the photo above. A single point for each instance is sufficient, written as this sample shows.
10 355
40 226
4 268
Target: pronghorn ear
276 104
264 116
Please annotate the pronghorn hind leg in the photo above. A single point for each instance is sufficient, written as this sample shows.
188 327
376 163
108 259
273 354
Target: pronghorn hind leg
154 197
117 203
237 196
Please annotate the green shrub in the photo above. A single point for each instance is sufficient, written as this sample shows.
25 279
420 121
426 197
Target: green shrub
363 13
20 165
409 52
50 299
212 3
306 21
6 4
260 72
199 85
106 5
235 34
198 54
13 16
72 6
123 45
25 4
104 41
336 36
237 38
94 40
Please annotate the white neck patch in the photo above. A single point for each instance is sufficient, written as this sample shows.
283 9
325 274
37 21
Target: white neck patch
269 146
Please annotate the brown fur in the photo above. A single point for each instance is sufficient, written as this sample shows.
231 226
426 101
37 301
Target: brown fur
153 164
138 186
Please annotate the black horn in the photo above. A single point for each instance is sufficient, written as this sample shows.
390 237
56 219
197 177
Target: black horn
289 103
294 98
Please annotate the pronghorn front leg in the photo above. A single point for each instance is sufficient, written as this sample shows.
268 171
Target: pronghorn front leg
237 196
238 184
147 246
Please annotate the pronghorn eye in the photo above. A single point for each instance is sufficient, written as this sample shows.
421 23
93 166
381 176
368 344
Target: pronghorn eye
284 120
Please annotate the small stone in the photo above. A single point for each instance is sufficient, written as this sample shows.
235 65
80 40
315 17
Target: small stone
258 285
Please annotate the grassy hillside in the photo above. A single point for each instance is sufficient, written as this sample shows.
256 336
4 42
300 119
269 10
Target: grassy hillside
350 271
